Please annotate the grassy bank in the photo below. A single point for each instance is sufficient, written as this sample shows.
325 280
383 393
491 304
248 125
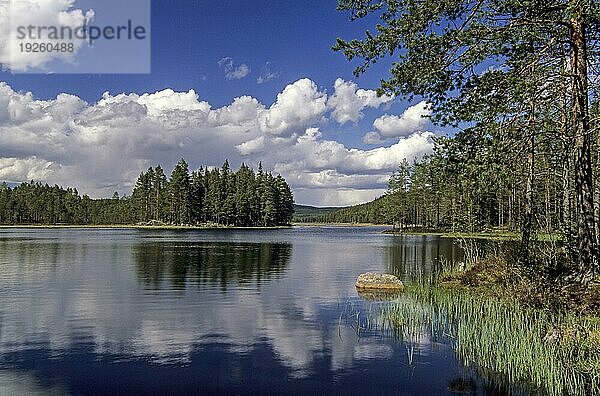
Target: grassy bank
526 348
522 326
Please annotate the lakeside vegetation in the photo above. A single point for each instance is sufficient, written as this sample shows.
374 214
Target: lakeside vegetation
520 333
520 327
510 344
518 82
208 197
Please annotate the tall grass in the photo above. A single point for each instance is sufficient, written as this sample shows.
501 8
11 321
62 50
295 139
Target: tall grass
548 353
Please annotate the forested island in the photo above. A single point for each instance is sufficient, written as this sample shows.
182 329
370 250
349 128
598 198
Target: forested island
204 197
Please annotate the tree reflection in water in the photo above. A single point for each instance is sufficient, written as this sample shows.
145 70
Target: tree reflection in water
222 263
414 258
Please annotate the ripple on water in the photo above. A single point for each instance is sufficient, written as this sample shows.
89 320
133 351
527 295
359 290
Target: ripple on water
106 310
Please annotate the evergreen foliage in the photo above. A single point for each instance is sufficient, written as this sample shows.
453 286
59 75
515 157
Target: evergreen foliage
520 79
241 198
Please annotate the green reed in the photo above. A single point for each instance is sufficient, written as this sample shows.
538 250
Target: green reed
548 353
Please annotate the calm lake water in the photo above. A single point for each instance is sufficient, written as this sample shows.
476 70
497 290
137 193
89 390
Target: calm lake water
91 311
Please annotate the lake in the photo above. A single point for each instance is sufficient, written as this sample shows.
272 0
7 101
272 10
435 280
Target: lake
89 311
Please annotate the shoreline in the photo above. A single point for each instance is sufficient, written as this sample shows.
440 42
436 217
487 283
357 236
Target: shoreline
340 225
185 227
500 235
491 235
140 227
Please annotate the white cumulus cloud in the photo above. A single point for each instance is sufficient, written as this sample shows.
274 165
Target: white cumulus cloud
348 101
298 107
372 138
18 169
414 119
101 147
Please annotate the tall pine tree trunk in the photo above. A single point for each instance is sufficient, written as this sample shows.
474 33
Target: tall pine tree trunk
567 206
567 145
586 230
527 226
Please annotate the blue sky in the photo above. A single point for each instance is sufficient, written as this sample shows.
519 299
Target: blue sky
190 37
280 41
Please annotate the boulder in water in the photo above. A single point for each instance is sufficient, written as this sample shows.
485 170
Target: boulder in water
379 282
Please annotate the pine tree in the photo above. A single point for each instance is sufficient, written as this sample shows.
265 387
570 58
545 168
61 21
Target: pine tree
211 209
159 194
179 194
197 196
244 190
227 195
285 201
142 195
269 201
499 66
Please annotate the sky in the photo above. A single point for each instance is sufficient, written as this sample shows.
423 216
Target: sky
248 81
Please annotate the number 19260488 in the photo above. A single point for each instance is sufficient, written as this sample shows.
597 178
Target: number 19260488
46 47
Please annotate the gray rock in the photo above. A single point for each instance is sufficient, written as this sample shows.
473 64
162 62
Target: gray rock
381 282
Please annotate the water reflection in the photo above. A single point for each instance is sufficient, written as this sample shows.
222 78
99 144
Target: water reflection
222 263
378 295
101 311
414 258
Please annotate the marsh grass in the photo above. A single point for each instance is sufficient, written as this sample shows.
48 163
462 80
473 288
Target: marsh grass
547 353
362 316
523 329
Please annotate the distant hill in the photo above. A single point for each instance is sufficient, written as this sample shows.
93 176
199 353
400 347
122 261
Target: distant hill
370 212
305 213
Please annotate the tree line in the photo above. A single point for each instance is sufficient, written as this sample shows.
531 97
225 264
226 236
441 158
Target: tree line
473 193
206 196
519 82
